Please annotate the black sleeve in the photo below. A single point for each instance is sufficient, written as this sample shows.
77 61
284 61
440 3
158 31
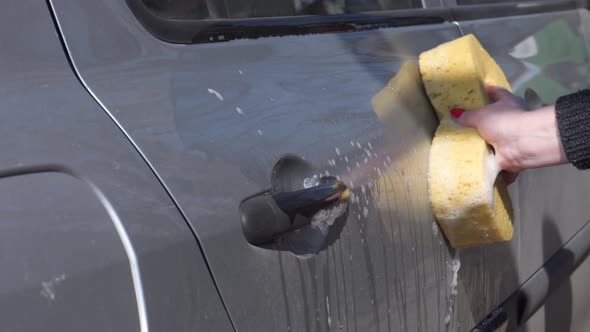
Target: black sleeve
573 121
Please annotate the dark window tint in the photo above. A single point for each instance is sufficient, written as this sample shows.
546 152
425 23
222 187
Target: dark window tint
235 9
487 2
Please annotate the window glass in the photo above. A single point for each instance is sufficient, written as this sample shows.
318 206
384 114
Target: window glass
487 2
236 9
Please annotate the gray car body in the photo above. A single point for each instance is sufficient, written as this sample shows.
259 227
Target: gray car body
123 171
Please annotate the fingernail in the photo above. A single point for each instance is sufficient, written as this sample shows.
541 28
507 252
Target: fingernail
456 112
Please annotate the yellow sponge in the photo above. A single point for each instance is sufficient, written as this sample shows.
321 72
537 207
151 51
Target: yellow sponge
470 203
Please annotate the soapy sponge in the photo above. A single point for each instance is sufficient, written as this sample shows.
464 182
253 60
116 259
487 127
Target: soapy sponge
470 202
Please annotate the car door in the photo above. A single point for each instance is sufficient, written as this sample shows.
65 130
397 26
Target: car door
547 52
218 104
89 239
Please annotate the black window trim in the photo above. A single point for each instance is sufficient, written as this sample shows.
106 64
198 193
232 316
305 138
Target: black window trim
218 30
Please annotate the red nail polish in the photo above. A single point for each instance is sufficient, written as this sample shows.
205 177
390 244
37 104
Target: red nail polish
456 112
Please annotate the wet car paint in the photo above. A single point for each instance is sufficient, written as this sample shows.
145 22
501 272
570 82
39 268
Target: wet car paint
213 119
90 240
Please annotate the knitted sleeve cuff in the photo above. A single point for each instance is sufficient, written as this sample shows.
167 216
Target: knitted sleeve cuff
573 121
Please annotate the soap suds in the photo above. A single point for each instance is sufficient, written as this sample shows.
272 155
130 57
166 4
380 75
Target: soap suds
310 182
48 287
323 219
455 267
217 94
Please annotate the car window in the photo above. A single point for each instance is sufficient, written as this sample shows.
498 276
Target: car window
486 2
239 9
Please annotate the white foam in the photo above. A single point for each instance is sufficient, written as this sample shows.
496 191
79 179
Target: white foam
217 94
455 267
310 182
323 219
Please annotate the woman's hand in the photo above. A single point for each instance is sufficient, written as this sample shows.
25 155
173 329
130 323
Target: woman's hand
522 139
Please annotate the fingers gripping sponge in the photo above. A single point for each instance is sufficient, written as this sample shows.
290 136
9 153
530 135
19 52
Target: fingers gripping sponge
470 202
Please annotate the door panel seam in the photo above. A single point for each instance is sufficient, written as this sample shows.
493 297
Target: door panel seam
85 86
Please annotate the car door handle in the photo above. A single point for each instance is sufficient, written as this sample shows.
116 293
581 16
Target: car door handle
267 216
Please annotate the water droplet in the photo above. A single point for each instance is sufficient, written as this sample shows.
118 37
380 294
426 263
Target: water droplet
328 312
240 71
337 151
310 182
346 158
370 146
351 143
239 110
366 160
217 94
259 132
358 145
357 164
365 212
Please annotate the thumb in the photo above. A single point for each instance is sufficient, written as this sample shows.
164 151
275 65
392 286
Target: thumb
496 93
466 119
